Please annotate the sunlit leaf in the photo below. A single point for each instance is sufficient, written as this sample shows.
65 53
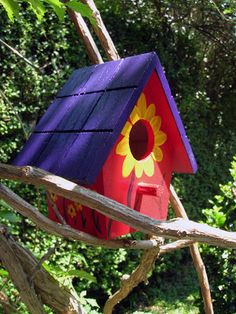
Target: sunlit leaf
12 8
38 8
58 8
3 273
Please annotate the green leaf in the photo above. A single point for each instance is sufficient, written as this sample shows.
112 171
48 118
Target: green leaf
10 216
80 274
3 273
37 7
12 8
58 8
83 9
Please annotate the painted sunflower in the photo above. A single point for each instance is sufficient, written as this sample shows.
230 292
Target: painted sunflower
141 140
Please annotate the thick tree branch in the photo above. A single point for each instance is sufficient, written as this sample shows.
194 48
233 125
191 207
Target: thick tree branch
18 276
21 265
65 231
173 229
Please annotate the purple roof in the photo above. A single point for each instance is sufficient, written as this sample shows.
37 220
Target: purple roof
77 132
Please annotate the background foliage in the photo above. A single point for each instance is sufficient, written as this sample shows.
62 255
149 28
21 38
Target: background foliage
195 41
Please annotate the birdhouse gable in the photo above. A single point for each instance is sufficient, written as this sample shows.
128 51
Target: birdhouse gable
78 131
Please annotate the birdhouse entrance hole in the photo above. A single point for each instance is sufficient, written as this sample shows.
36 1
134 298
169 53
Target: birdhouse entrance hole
141 139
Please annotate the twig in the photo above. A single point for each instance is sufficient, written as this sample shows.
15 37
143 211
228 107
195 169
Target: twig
21 56
221 14
45 257
196 256
85 35
173 246
55 209
138 275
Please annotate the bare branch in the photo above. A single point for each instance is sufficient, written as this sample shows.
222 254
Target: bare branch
16 52
196 256
84 33
102 33
173 246
173 229
128 283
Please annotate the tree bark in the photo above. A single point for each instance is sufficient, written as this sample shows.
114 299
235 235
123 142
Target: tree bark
35 285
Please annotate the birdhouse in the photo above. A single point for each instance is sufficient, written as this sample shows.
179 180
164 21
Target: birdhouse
113 128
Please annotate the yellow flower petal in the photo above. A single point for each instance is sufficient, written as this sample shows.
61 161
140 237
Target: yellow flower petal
160 138
123 147
157 154
138 169
141 103
126 129
156 123
150 113
128 165
149 167
135 115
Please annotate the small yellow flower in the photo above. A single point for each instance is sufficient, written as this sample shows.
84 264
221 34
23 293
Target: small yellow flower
72 211
141 140
79 207
53 196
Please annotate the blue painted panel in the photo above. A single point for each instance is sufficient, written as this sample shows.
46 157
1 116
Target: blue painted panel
133 70
69 113
76 81
86 156
112 108
32 150
90 79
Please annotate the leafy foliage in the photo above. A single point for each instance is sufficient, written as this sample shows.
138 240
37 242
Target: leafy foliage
40 7
221 263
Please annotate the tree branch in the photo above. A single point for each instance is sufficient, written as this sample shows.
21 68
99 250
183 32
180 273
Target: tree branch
102 33
65 231
173 229
196 256
18 276
128 283
21 265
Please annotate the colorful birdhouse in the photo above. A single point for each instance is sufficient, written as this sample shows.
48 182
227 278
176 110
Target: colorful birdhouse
113 128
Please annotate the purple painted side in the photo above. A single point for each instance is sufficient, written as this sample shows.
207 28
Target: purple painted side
32 149
176 116
68 113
